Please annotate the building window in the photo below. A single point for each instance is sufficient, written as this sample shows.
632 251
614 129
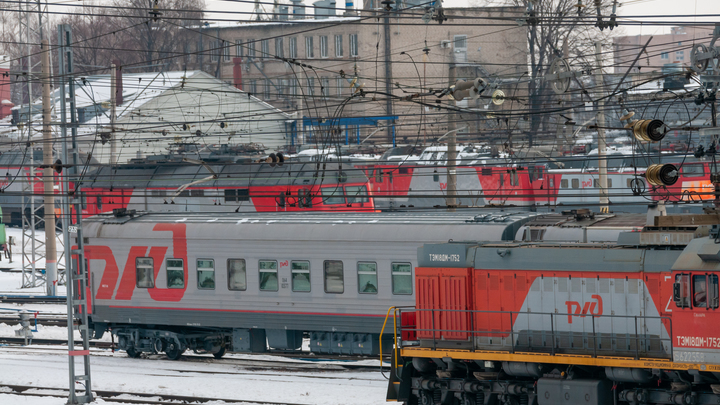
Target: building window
325 86
309 49
333 272
268 275
279 48
206 274
401 278
175 273
664 55
460 43
353 45
338 46
367 277
253 87
311 86
323 46
226 51
300 276
293 48
292 87
339 84
251 48
268 86
144 272
237 279
214 50
239 48
680 55
264 49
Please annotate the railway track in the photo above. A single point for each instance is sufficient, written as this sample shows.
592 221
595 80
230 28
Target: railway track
306 361
140 398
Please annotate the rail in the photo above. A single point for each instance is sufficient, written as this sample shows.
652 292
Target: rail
543 332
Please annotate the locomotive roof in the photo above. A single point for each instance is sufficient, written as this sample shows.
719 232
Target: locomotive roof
565 220
176 174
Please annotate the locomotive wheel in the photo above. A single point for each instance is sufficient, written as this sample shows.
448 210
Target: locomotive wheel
132 353
173 352
218 354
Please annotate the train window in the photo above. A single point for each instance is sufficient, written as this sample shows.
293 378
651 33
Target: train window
230 195
403 170
436 176
402 278
596 183
99 203
356 194
486 171
575 183
332 195
197 193
268 275
333 271
367 277
609 182
514 178
237 195
206 274
83 201
175 273
144 272
378 175
700 291
564 183
681 290
300 276
713 293
304 198
390 176
184 193
157 193
689 170
237 280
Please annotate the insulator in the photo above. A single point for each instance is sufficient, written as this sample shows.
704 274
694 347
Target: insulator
649 130
661 175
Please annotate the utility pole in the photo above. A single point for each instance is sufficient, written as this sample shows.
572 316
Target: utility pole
75 264
51 277
452 152
602 161
113 106
388 71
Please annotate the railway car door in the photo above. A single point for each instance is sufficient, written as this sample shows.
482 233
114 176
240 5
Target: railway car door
695 318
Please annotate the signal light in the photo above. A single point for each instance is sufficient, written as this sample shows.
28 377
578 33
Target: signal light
648 130
661 175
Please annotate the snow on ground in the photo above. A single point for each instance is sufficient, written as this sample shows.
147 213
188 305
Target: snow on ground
10 278
212 379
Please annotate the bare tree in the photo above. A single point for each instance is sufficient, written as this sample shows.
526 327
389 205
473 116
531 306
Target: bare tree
551 26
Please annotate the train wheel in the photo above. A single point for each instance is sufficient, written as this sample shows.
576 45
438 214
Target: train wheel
172 351
218 354
132 353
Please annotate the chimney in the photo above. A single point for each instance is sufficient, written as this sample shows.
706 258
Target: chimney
237 73
118 83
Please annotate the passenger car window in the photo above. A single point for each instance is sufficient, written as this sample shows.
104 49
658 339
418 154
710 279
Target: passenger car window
144 272
332 195
206 274
268 275
300 276
367 277
356 194
401 278
333 272
575 183
237 278
175 274
563 183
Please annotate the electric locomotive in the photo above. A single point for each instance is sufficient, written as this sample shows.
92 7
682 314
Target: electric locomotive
632 321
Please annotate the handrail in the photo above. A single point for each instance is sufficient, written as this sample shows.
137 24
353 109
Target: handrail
382 332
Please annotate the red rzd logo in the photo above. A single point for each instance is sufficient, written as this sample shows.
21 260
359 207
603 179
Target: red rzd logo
594 308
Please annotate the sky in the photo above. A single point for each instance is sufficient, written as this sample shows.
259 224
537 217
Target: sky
219 8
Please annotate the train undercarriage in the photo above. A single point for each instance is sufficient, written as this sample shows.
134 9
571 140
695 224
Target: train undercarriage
448 381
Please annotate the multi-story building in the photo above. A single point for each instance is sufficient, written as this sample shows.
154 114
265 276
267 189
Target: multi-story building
306 63
663 50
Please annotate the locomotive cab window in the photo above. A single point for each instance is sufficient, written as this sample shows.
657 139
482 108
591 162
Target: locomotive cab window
367 277
144 272
356 194
402 280
705 291
332 195
174 273
333 274
237 278
300 275
268 275
206 274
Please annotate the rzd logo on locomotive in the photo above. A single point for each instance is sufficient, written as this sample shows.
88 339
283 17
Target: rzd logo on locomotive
594 308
